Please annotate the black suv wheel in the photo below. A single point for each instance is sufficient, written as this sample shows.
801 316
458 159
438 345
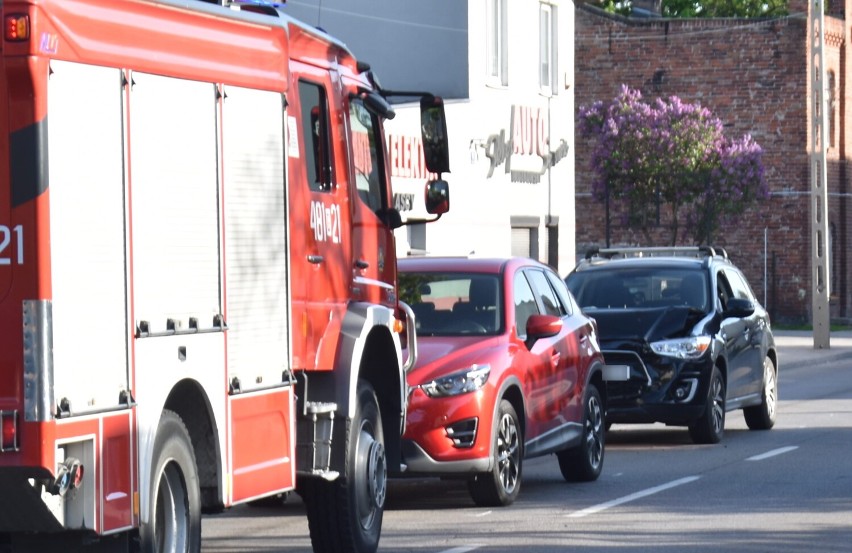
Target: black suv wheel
710 426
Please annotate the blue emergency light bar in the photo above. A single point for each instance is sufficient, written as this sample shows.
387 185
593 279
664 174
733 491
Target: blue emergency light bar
264 3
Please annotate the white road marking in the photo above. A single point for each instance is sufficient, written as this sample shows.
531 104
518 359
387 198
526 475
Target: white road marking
773 453
483 514
633 497
462 549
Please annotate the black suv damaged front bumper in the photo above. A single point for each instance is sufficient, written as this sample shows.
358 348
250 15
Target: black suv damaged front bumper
662 389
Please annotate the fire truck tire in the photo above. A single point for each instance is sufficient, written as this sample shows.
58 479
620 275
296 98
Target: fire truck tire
174 517
345 516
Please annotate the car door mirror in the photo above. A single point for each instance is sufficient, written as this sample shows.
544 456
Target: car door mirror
542 326
433 127
739 307
437 197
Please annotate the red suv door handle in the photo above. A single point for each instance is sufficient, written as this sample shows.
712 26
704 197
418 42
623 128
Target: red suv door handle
555 356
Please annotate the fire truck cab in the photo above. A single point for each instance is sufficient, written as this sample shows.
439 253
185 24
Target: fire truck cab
198 300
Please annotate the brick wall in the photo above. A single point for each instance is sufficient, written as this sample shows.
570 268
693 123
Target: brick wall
754 76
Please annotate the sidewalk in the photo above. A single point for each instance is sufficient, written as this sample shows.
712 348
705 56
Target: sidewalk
796 347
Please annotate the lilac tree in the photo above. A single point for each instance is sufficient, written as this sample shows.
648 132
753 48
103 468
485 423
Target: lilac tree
669 164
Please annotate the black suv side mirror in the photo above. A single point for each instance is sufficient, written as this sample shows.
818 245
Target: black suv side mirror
739 307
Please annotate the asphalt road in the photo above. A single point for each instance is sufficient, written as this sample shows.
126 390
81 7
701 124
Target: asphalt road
788 490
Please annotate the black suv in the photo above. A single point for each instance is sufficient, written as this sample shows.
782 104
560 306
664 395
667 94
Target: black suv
684 338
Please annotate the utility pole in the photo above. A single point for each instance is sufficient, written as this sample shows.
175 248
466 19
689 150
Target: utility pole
819 195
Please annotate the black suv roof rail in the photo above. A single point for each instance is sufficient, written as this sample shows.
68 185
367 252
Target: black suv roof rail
685 251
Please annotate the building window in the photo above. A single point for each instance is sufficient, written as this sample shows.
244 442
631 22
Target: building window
497 38
831 111
831 263
525 236
417 238
547 49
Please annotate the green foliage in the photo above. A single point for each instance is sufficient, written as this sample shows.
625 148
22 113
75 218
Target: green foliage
724 8
703 8
410 287
621 7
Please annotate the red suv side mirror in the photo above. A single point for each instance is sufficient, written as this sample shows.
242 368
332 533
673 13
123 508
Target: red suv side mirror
542 326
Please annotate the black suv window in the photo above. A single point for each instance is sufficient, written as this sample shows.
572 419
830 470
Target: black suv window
738 285
640 287
731 284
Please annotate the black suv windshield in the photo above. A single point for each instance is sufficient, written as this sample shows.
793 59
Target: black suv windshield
643 287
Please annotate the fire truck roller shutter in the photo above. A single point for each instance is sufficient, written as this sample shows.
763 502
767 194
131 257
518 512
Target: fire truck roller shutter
255 237
174 180
88 235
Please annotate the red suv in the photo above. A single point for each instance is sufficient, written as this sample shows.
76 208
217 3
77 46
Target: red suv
508 368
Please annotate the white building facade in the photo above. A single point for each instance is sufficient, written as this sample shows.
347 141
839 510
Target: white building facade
511 125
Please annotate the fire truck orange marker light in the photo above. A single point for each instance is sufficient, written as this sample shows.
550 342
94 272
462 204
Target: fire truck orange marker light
17 27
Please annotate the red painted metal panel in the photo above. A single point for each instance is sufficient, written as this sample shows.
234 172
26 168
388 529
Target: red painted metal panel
161 39
263 443
117 484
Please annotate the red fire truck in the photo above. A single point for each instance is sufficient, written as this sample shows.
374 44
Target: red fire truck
198 300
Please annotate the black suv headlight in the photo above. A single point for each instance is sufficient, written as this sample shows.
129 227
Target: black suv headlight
692 347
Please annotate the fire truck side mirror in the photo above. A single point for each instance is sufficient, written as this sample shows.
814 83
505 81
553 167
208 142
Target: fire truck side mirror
433 126
437 197
374 102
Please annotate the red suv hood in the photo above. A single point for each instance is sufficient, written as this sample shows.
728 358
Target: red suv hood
439 356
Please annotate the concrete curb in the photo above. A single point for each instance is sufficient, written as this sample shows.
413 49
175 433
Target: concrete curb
796 348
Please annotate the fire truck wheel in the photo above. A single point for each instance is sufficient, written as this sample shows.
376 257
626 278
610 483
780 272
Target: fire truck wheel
174 506
346 515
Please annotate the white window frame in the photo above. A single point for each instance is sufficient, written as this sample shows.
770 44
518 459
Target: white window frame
547 48
497 43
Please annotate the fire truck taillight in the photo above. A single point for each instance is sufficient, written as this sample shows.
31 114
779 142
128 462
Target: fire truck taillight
9 424
16 27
